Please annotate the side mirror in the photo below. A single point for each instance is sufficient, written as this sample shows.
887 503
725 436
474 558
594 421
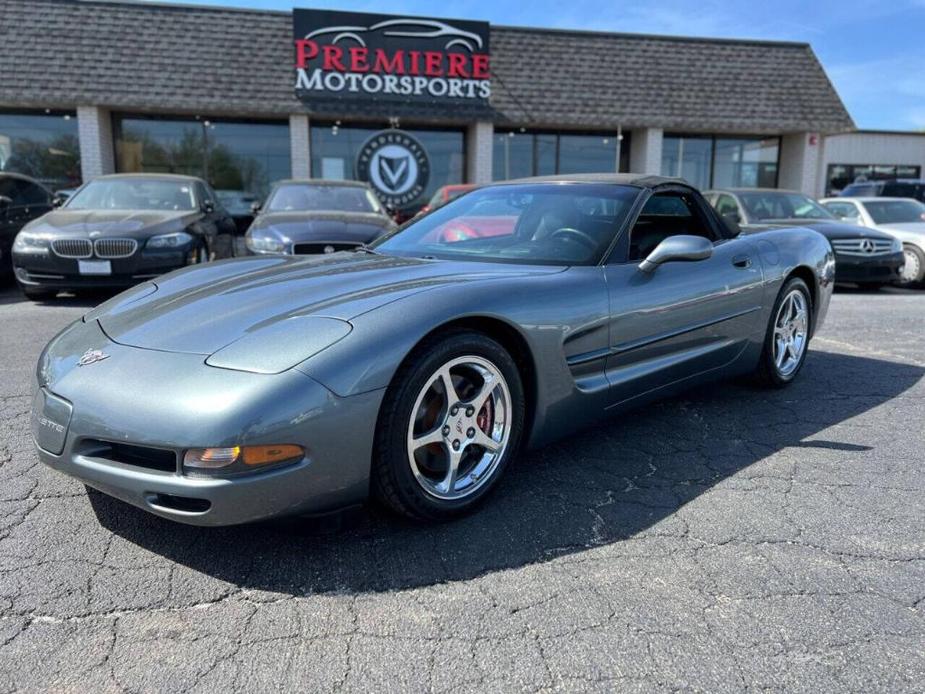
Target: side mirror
58 200
675 248
5 202
208 206
255 208
732 216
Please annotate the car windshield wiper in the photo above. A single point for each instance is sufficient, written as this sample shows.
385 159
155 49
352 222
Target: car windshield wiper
363 248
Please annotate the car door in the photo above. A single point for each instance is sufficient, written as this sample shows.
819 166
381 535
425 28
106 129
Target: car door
684 318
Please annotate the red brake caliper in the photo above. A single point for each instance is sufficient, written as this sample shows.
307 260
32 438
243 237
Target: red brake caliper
486 417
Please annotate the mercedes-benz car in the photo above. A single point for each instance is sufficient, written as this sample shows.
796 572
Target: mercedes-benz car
866 257
310 217
903 218
116 231
415 370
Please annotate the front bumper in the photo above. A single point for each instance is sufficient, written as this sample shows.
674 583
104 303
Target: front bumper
187 404
882 268
47 270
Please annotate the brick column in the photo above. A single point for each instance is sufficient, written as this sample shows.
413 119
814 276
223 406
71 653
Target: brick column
799 162
300 146
646 151
479 137
94 128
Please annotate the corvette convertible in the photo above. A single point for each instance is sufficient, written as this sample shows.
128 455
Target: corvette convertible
414 370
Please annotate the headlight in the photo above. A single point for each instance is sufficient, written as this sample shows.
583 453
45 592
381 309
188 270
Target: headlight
174 240
30 243
265 244
897 246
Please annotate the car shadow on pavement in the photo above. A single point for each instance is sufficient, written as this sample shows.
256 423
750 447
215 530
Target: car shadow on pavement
619 481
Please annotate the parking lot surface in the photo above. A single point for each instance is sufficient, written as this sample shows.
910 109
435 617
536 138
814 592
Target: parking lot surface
725 540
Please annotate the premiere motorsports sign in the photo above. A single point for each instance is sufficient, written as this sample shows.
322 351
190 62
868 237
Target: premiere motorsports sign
360 57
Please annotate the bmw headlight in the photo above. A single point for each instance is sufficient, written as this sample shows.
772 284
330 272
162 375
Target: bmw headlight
175 240
30 243
265 244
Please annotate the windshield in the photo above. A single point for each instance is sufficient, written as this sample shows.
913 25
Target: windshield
896 211
546 224
133 194
770 205
300 197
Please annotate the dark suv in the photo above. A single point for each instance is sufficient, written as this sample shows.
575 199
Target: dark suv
889 188
21 200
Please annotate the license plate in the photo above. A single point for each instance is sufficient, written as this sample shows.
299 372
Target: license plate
94 267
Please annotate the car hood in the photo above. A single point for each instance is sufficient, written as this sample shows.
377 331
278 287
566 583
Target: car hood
297 227
131 223
831 230
917 228
202 309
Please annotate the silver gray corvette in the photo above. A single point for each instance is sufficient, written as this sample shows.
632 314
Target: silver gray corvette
414 370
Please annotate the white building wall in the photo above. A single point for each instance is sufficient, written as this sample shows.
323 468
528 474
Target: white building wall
878 148
646 150
300 146
94 129
799 162
479 142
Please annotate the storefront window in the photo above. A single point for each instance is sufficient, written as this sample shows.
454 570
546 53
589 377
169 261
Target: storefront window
688 158
518 154
841 175
334 150
41 145
706 161
745 163
230 155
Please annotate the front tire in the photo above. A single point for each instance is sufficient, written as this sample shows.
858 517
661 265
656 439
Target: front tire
38 293
449 426
787 339
913 271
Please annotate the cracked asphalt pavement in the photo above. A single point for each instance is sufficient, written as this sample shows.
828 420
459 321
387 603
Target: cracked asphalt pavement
730 539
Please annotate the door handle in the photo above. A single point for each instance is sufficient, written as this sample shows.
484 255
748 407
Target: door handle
742 261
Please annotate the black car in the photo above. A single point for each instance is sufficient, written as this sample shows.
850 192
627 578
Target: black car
21 200
316 216
116 231
240 205
863 256
887 188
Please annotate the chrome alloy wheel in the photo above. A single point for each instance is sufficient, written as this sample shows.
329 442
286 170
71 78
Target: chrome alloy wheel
460 427
912 267
791 328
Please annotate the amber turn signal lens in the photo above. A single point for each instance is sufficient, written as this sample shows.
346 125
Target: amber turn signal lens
266 455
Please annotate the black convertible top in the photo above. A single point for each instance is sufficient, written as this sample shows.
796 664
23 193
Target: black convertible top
627 179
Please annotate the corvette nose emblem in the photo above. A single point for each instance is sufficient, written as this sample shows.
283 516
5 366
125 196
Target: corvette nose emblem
91 356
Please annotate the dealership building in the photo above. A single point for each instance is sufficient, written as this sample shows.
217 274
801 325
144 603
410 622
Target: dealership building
245 97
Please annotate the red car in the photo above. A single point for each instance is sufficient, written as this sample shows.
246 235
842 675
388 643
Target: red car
444 195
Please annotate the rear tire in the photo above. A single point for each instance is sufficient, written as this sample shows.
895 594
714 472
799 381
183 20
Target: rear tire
786 341
440 451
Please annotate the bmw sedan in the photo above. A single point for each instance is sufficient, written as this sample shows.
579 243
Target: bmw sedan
116 231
